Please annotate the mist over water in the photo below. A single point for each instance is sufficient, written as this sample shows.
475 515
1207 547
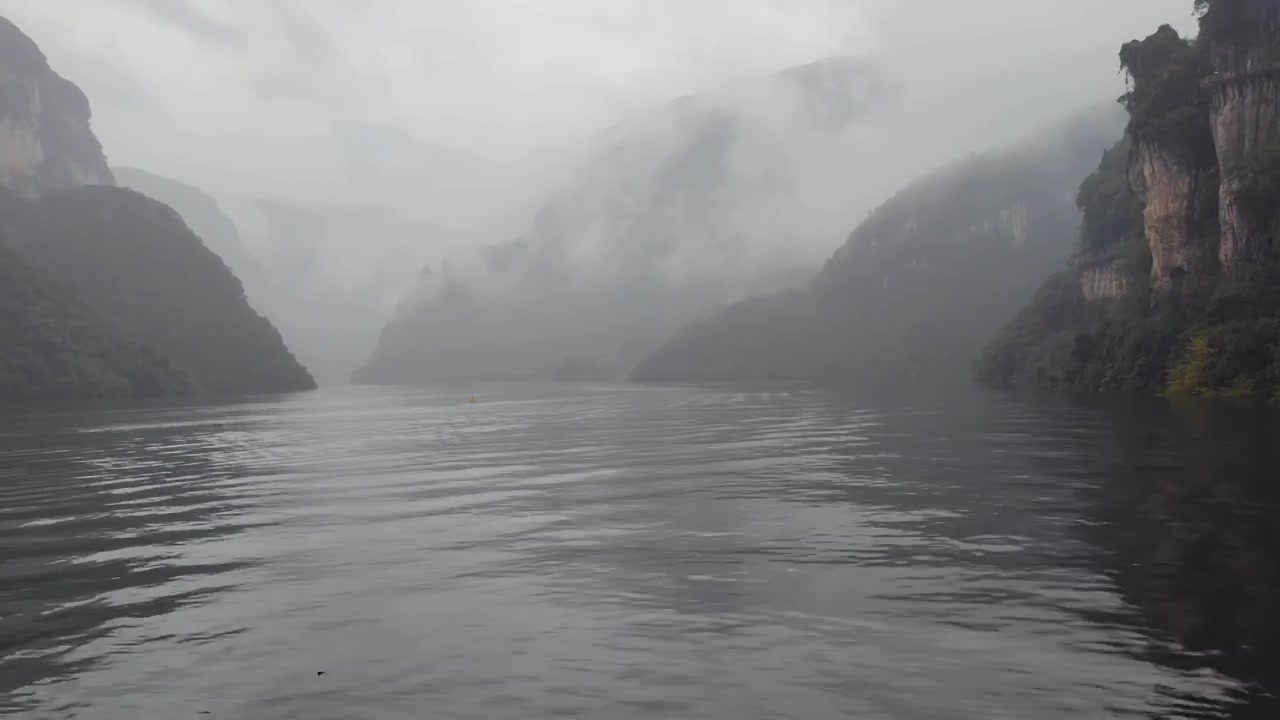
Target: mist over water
209 208
638 552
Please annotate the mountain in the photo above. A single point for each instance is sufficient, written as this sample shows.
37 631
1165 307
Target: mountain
675 213
1175 286
52 346
918 286
137 264
45 140
203 215
107 293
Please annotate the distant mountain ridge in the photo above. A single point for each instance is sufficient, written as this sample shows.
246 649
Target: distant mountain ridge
677 212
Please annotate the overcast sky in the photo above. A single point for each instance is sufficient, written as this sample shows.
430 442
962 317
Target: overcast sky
462 105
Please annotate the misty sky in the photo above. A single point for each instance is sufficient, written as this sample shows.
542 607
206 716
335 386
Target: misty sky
457 116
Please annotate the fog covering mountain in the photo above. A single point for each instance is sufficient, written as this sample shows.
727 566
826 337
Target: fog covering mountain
677 213
107 292
325 291
277 267
285 261
917 288
361 149
210 222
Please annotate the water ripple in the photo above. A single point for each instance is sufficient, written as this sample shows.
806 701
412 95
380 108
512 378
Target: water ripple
628 552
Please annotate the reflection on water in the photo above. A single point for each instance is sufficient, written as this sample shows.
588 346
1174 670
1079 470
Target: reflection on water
1188 515
639 552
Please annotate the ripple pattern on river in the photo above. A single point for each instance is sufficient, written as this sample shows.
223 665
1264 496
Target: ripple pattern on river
570 551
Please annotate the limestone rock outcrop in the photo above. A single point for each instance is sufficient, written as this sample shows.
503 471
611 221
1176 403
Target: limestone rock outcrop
46 143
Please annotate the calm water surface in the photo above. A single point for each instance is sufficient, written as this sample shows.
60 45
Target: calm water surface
637 552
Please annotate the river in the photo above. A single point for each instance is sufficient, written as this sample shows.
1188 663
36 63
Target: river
634 552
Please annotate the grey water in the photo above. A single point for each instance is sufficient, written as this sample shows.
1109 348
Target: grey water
630 552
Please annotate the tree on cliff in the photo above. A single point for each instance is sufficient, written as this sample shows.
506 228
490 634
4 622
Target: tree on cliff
1217 330
1166 104
1230 18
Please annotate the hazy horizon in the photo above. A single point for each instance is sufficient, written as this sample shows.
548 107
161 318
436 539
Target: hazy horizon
342 107
416 134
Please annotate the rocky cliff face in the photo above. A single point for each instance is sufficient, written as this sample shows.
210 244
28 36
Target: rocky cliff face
1244 92
1102 281
45 140
1171 163
1182 294
1167 186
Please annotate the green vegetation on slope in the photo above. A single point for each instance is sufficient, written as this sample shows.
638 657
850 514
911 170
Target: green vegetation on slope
1112 213
1219 337
1167 105
52 346
137 265
1260 192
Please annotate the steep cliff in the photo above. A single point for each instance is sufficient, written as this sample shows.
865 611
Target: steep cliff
52 346
1241 41
911 295
1172 167
136 263
45 141
1192 304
